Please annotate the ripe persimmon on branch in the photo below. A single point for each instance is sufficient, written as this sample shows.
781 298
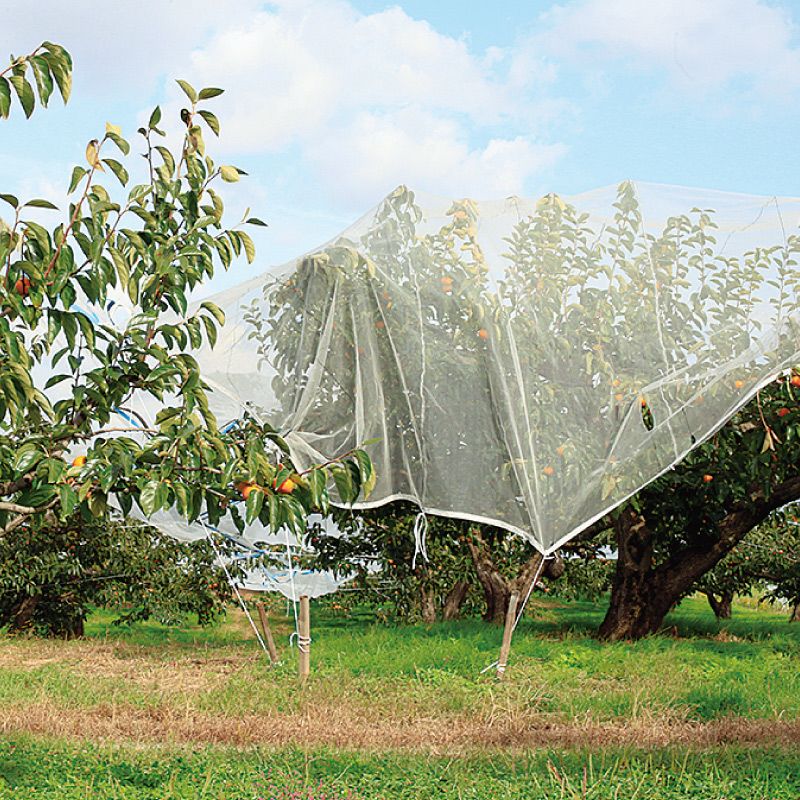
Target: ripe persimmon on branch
144 246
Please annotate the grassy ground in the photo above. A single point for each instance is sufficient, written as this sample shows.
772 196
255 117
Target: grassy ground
405 712
47 769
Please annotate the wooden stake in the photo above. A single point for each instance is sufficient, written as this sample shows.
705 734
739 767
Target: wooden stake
508 630
262 615
304 638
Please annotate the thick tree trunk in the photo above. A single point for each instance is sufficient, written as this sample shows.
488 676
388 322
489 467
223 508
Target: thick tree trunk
454 600
795 613
637 606
642 594
721 607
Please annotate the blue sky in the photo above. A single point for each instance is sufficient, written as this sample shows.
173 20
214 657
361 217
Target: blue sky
329 104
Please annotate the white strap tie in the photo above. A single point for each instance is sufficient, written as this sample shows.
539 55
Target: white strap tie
420 539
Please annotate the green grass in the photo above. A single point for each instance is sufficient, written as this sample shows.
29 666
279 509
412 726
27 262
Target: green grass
747 666
37 768
703 671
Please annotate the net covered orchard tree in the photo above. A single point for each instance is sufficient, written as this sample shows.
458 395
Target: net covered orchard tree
603 352
66 370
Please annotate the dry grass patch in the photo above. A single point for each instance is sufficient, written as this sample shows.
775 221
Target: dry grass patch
333 726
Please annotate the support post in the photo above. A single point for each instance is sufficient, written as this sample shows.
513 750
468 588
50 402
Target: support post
508 631
304 639
262 615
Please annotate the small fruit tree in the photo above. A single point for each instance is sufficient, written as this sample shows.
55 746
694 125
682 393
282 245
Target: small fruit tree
64 373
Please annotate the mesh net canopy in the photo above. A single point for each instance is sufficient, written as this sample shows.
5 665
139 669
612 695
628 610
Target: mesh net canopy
524 363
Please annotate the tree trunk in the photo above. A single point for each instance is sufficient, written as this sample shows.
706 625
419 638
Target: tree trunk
22 614
496 592
454 600
637 606
642 594
427 604
795 613
721 607
496 589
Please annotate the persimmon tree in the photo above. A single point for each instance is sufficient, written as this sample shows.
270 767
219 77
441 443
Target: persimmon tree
51 579
547 392
143 234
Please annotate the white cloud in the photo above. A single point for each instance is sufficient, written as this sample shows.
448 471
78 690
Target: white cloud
705 45
373 153
119 46
369 101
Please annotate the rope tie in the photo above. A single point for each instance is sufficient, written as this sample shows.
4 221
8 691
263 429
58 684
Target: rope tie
234 587
304 643
420 539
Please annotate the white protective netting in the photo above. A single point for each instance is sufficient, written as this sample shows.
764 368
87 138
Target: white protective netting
526 363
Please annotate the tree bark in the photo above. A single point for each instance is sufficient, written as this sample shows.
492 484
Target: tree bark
22 614
637 605
454 600
427 604
496 592
496 588
795 613
721 607
642 593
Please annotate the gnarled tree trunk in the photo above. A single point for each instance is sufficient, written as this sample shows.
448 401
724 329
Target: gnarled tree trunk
22 613
721 607
497 589
454 600
795 613
427 602
642 594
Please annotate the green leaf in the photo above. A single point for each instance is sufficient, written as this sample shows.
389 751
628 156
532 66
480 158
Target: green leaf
10 199
5 98
214 310
40 204
148 497
249 247
24 92
253 504
368 476
68 500
77 174
155 118
345 485
122 144
188 90
256 221
211 120
229 174
316 484
44 80
117 169
61 67
26 458
276 515
206 94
